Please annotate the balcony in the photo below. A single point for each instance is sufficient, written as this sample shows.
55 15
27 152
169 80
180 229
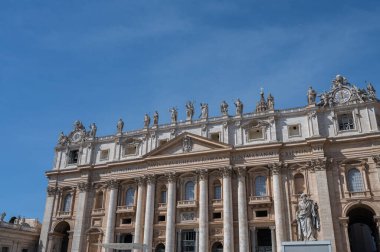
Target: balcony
358 195
186 204
259 200
217 202
98 211
126 209
63 214
161 206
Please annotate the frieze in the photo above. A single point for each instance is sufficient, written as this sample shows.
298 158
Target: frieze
296 152
243 156
186 161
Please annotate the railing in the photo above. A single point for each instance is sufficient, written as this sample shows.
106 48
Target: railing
18 227
186 203
64 213
217 202
161 205
124 209
359 194
98 211
259 199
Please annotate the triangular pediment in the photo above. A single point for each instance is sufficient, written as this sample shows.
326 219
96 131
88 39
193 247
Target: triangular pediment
188 143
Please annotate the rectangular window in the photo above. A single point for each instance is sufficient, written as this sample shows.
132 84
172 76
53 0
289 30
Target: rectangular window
215 136
255 134
294 130
261 213
126 221
104 154
188 240
217 215
130 150
346 122
161 218
73 156
163 196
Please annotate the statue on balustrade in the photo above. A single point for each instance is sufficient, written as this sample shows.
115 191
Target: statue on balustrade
307 219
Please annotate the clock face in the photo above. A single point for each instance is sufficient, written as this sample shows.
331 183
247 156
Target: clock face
342 95
76 137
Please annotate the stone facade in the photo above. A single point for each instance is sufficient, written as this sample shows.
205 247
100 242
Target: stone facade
226 183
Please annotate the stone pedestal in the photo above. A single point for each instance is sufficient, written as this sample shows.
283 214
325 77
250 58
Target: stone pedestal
309 246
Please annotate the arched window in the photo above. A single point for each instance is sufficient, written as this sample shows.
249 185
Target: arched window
163 195
130 199
299 183
99 200
189 190
355 181
260 186
217 190
67 203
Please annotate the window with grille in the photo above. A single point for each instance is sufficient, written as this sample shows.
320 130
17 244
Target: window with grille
217 191
346 122
189 190
260 186
130 197
355 181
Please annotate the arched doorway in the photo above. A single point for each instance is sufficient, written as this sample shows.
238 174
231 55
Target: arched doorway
362 230
217 247
62 230
160 248
94 238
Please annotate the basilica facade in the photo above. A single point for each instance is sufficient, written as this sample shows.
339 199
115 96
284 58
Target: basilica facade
241 181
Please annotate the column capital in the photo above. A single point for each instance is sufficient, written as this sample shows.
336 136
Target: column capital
112 184
52 190
272 227
84 186
171 177
226 171
140 181
202 174
241 171
150 179
376 159
344 221
318 164
275 168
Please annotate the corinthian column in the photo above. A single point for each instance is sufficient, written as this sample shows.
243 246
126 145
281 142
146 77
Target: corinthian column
149 211
203 211
78 236
228 230
277 199
242 210
170 216
113 186
139 212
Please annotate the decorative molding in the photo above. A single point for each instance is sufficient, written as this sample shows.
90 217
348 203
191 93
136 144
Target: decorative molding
52 190
226 171
171 176
275 168
150 179
140 181
241 171
376 159
202 174
113 184
187 144
84 186
319 164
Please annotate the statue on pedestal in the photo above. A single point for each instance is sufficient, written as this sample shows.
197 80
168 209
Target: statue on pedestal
204 111
307 218
3 214
189 110
155 118
311 95
239 107
93 130
120 126
224 108
146 121
174 114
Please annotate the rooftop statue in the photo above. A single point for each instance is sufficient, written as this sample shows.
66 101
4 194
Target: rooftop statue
239 107
174 114
78 126
204 111
120 126
371 92
62 139
270 101
155 118
311 95
224 108
189 110
93 130
3 214
146 121
262 104
307 218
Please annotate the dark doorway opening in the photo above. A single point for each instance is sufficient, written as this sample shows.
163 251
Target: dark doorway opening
160 248
63 228
264 240
188 241
217 247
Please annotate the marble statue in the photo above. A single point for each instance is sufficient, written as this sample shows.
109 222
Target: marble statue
155 118
78 126
311 95
204 111
3 214
120 126
93 130
371 92
239 107
187 144
146 121
62 139
307 218
189 110
174 114
224 108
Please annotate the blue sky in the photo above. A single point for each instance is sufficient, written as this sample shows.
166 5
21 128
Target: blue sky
97 61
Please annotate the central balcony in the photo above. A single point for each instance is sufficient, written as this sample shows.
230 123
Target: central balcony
98 211
260 200
186 204
126 209
161 206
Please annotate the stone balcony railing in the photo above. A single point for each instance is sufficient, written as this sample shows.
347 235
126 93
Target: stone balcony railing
64 213
162 206
217 202
257 200
186 203
355 195
126 209
21 227
98 211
